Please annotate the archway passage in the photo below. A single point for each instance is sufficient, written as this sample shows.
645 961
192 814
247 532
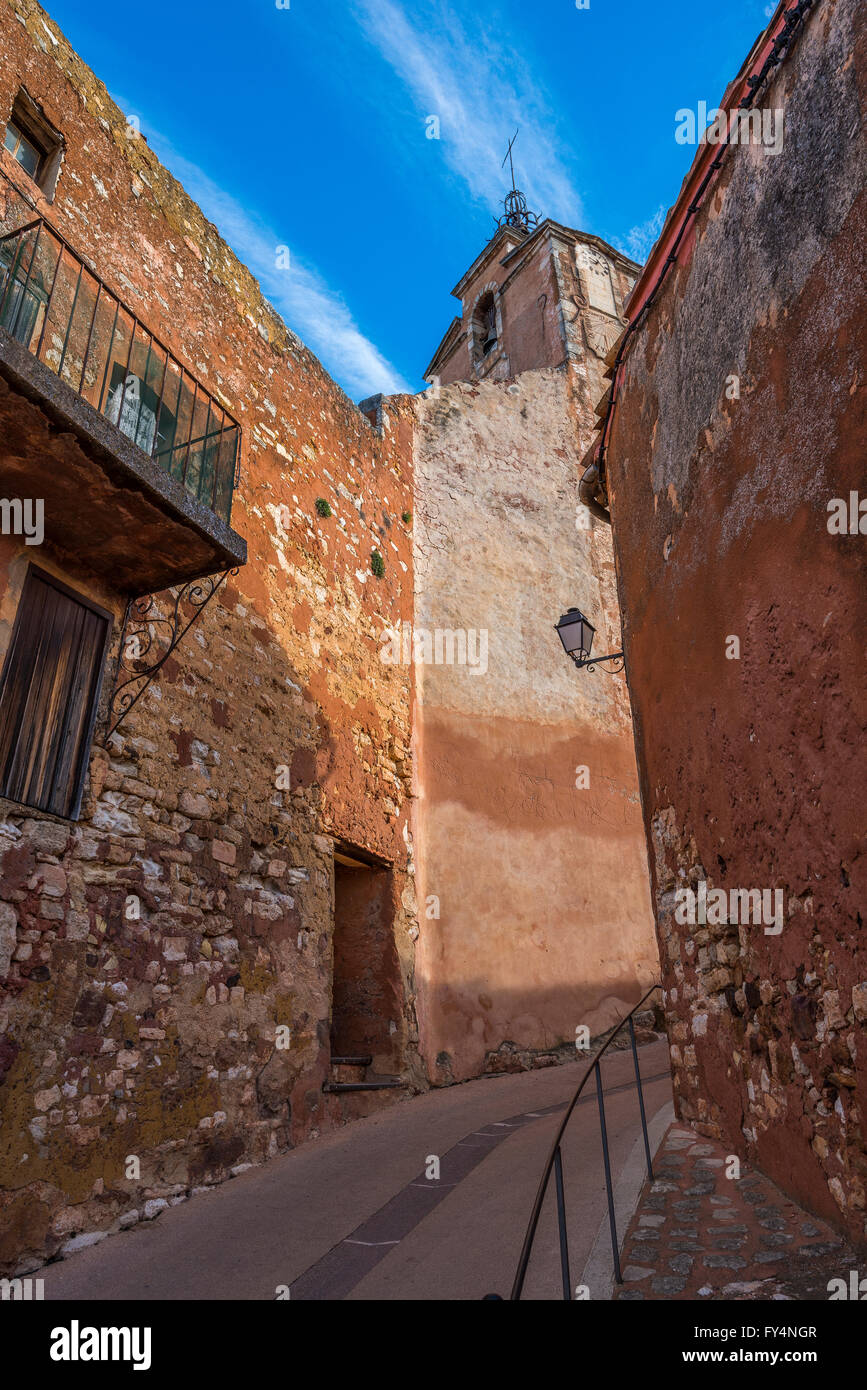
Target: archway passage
366 975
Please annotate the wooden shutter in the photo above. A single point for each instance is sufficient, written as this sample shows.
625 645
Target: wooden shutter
48 695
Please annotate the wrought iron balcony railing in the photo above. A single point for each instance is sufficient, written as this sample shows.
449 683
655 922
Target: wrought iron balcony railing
68 318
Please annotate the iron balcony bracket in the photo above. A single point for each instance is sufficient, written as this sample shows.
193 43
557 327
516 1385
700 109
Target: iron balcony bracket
148 639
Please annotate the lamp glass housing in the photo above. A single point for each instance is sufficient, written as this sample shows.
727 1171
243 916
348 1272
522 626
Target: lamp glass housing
576 633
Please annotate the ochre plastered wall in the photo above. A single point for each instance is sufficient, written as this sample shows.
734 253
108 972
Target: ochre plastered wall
534 913
752 769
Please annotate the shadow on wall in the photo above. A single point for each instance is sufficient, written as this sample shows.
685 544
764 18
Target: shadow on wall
151 949
472 1030
366 988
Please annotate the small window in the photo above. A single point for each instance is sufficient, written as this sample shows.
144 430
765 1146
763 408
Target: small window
34 142
49 689
28 156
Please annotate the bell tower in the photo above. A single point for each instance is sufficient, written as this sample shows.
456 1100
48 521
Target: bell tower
539 294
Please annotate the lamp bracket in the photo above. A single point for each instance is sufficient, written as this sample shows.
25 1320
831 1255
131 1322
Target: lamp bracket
592 662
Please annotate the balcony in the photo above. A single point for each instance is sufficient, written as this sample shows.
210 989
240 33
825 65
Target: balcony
158 509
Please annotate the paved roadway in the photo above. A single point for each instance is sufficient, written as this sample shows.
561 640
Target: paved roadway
353 1215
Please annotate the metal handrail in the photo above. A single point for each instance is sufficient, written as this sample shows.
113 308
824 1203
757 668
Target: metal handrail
222 476
555 1164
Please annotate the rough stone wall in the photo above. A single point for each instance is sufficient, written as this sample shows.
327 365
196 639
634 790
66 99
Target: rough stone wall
752 768
154 1036
534 910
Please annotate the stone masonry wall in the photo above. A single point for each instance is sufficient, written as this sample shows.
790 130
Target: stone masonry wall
149 951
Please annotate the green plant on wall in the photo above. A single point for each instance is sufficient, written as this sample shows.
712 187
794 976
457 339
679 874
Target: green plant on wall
407 518
323 507
377 564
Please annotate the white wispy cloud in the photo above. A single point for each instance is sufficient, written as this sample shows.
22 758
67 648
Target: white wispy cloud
481 90
639 240
314 311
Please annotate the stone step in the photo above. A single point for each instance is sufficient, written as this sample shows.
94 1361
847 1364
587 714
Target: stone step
345 1070
382 1084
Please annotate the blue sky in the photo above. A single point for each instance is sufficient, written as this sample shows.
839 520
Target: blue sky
305 127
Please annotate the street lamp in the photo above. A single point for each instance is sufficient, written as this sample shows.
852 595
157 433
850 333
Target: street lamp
576 634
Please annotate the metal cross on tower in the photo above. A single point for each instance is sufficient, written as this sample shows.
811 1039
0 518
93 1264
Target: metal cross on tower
517 213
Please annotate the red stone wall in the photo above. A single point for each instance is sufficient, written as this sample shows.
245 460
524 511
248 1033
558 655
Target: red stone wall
752 765
153 1036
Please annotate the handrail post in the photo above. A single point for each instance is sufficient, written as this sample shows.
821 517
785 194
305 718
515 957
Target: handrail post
611 1221
561 1223
641 1100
